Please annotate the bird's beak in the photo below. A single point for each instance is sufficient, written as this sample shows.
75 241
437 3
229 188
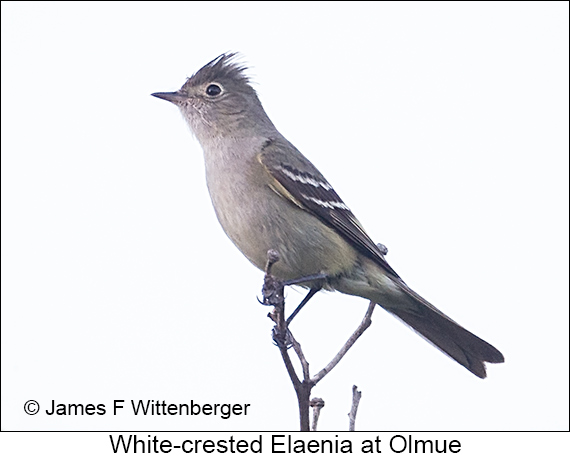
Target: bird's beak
174 97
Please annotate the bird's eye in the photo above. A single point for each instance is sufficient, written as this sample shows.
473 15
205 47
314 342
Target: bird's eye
213 89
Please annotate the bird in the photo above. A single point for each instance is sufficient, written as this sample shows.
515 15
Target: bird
268 196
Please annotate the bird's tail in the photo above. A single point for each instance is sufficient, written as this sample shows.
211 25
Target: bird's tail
458 343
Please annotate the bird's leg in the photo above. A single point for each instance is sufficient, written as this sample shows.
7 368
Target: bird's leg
312 292
316 277
272 290
273 295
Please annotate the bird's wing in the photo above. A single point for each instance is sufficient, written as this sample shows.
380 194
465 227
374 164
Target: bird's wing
298 180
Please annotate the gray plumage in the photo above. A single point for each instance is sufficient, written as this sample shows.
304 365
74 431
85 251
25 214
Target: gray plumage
267 195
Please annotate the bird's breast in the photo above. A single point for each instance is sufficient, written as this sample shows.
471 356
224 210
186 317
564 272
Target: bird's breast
256 219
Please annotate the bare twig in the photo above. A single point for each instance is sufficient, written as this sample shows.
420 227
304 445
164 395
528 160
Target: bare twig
273 295
302 359
317 404
281 338
356 394
383 249
357 333
302 388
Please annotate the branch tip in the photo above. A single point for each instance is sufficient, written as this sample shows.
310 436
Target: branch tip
317 404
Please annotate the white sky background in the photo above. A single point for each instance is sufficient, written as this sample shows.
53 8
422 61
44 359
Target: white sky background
443 126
